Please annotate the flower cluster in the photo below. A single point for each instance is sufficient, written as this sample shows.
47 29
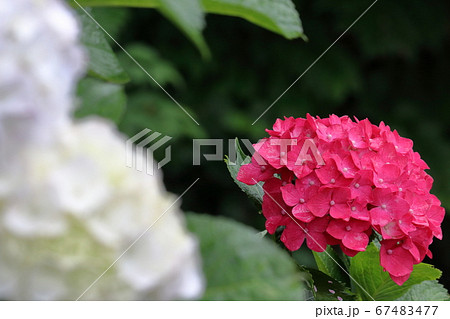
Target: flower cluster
69 206
40 63
75 208
332 181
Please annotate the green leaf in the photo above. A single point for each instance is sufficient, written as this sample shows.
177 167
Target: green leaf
255 192
366 270
187 15
162 70
277 16
240 265
150 108
103 63
100 98
122 3
429 290
113 20
327 263
327 288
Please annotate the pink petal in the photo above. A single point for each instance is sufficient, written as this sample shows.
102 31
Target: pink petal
398 206
272 223
359 225
341 195
340 211
379 216
328 172
336 228
293 236
310 180
359 211
355 241
319 204
414 251
398 261
400 280
302 213
389 172
392 231
290 194
319 225
436 215
316 241
348 252
249 174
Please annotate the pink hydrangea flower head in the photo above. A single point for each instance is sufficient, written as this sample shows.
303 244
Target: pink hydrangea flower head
334 180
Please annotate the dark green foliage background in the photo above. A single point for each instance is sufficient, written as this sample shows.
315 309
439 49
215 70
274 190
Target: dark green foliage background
392 66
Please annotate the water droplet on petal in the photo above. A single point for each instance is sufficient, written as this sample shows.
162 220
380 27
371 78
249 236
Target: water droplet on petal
332 202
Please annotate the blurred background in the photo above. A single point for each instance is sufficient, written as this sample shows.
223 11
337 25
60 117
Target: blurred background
392 66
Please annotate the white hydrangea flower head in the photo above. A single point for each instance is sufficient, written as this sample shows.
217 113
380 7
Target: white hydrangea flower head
78 211
40 62
69 206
